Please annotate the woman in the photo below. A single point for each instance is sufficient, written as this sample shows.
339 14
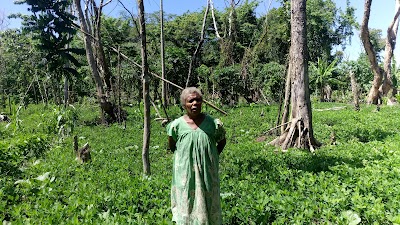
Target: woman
196 140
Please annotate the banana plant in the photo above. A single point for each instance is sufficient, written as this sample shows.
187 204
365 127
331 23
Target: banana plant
322 77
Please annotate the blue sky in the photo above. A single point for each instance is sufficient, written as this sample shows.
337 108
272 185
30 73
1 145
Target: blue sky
382 12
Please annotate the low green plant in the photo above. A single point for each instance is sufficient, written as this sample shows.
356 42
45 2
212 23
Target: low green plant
62 121
352 181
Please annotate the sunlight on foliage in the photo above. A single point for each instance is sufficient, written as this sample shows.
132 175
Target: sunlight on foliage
354 181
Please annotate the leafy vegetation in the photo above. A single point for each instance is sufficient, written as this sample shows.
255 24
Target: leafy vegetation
355 179
351 179
45 55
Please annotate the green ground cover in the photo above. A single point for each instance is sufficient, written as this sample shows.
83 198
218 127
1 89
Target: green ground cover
356 181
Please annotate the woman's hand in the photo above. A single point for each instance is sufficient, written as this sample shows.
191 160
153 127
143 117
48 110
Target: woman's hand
221 145
171 144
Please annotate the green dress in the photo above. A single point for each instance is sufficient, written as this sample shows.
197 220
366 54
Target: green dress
195 193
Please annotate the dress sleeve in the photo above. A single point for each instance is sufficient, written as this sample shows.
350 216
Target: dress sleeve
220 131
171 130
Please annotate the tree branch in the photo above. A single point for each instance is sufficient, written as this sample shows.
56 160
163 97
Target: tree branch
214 21
196 52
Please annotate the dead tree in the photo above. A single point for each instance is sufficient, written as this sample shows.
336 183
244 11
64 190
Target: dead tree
382 83
90 23
164 84
199 44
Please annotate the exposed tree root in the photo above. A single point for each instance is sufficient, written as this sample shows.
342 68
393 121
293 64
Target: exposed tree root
297 136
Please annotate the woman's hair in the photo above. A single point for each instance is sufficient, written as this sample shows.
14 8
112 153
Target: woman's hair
187 91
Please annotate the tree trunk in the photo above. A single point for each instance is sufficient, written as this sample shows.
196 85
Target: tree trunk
390 44
9 104
286 104
119 87
164 84
65 92
146 94
199 44
3 99
377 71
354 90
93 62
382 83
99 50
299 132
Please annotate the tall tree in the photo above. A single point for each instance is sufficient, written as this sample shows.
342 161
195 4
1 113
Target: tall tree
382 83
90 25
20 69
299 131
146 91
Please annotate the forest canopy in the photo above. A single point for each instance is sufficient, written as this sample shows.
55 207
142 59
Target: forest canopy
242 55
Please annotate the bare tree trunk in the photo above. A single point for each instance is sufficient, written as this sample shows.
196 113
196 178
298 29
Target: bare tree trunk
66 84
104 68
164 84
88 39
65 91
354 90
382 83
286 103
119 87
377 71
3 99
199 44
210 2
146 94
300 132
9 104
95 53
387 85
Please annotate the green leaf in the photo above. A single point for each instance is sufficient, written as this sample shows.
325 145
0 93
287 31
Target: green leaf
352 217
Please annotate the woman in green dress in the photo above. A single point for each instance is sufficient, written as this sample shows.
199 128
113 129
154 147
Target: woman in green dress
196 140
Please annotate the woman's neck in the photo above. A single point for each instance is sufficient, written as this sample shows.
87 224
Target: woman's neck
197 117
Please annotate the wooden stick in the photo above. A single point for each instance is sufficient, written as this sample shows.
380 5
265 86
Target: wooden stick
276 127
169 82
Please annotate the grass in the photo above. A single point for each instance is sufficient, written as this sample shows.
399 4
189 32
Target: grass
355 181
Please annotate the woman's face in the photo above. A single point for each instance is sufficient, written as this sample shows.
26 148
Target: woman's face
193 104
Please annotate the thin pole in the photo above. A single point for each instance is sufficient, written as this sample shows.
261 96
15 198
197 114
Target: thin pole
163 86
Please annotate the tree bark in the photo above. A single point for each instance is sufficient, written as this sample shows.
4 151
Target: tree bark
99 50
199 44
300 132
377 71
164 84
382 83
93 47
286 103
66 97
354 90
146 94
210 2
390 44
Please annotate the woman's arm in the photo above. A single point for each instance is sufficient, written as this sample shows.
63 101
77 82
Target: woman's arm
171 144
221 145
